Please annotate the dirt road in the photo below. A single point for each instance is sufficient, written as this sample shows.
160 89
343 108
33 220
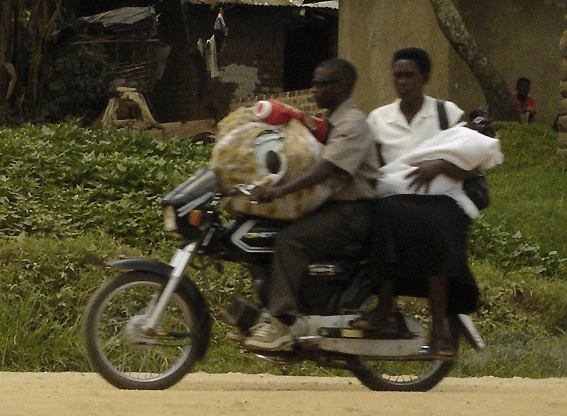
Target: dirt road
201 394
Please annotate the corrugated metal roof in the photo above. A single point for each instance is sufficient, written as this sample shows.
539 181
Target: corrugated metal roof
248 2
122 16
294 3
324 4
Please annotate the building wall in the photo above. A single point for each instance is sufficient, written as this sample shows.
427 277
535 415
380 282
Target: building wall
371 31
300 99
520 37
250 63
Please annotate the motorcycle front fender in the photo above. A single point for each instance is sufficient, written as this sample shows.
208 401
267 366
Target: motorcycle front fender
142 264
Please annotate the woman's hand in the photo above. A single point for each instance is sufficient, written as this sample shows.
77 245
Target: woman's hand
425 172
428 170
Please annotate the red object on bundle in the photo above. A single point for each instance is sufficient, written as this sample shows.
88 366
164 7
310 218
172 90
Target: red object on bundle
275 112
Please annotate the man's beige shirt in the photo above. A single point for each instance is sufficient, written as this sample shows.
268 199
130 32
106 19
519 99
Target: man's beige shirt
351 147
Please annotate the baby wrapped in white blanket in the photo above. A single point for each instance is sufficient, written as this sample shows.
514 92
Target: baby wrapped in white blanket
464 147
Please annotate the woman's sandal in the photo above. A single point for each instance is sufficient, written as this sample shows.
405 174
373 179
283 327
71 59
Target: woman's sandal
443 348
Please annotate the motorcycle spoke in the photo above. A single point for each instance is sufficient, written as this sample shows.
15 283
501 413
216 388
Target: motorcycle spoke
112 342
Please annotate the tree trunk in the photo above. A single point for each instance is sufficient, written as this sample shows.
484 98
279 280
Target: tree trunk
40 25
496 92
7 28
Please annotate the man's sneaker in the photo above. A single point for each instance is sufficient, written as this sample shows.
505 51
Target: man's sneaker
269 334
236 334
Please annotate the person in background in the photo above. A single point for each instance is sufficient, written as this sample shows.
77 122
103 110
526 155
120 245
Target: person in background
526 105
349 153
420 246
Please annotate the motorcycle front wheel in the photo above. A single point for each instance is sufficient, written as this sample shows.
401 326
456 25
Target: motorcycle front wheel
397 375
121 351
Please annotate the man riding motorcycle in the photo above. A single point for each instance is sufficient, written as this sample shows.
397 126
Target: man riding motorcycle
349 153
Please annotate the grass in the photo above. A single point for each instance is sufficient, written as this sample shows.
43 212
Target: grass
528 189
72 198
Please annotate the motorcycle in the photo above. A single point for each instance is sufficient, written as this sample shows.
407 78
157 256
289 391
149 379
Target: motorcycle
147 327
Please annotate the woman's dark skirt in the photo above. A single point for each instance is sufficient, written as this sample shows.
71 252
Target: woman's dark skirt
417 236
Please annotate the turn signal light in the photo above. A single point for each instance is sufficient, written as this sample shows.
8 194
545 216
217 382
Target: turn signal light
196 218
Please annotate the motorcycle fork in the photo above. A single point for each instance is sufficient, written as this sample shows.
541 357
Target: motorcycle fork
178 263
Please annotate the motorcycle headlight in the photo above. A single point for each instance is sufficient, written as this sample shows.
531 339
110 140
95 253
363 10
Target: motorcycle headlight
169 219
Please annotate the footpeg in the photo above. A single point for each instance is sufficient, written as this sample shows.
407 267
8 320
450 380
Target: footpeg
340 333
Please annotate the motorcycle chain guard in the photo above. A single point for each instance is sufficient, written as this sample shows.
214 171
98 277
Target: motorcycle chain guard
350 344
331 333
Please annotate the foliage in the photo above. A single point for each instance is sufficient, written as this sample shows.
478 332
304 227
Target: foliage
513 250
46 283
61 180
77 84
72 198
27 26
528 188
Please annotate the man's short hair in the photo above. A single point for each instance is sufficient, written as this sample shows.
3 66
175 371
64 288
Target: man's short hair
342 69
418 55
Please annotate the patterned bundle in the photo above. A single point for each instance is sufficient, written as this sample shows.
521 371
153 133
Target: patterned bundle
249 151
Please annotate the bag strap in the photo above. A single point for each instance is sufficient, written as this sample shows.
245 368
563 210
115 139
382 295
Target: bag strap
443 120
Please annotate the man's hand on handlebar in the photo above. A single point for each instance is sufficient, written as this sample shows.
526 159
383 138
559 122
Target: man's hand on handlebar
263 194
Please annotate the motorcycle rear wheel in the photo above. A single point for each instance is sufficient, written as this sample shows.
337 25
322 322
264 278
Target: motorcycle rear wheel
395 375
118 349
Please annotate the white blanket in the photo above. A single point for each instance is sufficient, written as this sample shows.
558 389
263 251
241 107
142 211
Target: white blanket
461 146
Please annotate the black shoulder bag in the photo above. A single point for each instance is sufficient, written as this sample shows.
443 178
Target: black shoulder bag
476 187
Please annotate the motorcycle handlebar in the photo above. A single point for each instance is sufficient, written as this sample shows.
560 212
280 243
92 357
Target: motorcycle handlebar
244 189
241 188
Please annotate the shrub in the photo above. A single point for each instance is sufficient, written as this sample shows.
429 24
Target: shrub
513 251
77 85
62 180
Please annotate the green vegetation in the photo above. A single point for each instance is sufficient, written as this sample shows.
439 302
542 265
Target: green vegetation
72 198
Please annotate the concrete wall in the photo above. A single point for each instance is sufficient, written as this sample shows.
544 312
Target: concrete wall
370 31
520 37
